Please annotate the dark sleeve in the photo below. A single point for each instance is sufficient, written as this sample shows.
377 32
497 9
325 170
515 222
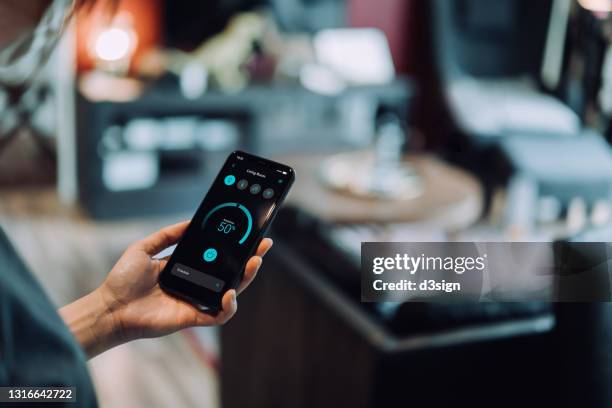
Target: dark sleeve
36 347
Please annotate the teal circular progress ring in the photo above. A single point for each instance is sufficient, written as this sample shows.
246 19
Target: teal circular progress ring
241 207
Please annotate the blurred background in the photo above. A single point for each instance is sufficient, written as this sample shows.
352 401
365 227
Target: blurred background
406 120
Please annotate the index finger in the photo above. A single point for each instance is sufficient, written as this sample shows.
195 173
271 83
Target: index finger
162 239
253 265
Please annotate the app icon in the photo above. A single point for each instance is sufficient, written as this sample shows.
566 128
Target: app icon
210 255
242 184
268 193
255 188
229 180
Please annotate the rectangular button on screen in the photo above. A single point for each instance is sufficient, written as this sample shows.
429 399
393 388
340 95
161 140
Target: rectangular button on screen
197 277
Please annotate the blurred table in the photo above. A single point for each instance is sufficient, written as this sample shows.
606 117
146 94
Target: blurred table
301 340
452 199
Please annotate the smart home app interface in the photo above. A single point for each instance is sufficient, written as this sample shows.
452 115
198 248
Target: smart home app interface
227 227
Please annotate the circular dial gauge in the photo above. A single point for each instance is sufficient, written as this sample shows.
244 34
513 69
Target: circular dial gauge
230 220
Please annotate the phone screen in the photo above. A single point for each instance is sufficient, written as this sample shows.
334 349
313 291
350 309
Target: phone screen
226 229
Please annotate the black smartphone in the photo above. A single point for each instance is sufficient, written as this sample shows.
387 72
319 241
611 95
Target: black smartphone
226 229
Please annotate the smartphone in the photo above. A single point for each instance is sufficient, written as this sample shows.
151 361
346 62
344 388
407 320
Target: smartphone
226 229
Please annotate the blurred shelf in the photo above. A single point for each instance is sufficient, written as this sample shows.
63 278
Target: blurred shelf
269 119
158 94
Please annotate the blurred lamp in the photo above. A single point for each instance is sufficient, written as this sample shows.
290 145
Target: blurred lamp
113 44
361 56
114 39
599 6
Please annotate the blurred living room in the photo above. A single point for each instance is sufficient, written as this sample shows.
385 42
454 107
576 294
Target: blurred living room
405 121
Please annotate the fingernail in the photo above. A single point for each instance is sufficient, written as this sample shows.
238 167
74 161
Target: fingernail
270 247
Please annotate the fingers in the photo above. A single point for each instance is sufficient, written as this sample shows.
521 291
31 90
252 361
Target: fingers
253 265
264 246
161 263
250 271
162 239
228 302
230 306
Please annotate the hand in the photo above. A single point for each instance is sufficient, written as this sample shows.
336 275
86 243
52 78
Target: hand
130 304
142 309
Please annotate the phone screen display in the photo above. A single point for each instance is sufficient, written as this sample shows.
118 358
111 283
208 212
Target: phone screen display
226 229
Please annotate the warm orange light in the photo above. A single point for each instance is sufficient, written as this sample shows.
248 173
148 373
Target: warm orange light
130 32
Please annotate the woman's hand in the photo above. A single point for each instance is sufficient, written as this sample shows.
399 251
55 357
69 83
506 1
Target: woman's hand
130 304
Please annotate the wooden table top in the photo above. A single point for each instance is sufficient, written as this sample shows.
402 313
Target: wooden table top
452 199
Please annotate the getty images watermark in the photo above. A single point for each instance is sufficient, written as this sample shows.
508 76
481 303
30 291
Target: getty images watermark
486 271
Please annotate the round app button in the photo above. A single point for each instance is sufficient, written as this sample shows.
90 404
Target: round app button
255 188
242 184
210 254
268 193
229 180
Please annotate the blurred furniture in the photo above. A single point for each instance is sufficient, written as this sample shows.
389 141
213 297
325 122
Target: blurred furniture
17 119
584 329
156 153
568 168
498 82
488 71
22 105
583 345
489 66
451 198
304 339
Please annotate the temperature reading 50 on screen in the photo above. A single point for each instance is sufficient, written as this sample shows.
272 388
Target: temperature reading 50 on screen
226 227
